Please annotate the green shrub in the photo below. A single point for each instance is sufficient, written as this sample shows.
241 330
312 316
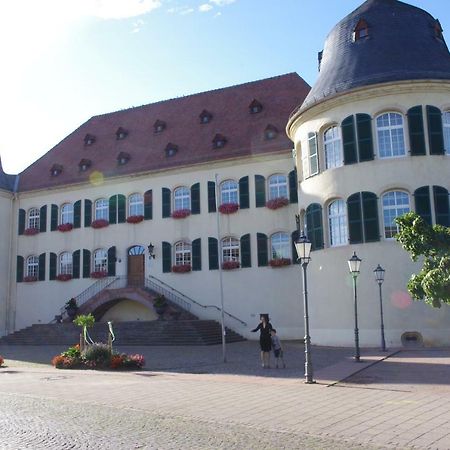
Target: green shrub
97 355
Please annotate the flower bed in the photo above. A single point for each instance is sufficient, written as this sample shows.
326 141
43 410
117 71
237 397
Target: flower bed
280 262
29 279
99 274
277 203
135 219
64 227
99 223
64 277
181 213
228 208
230 265
31 231
181 268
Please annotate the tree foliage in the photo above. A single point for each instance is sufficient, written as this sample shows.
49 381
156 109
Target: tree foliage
432 243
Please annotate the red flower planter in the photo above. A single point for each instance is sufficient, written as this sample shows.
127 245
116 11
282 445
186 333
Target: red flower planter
228 208
182 268
29 279
280 262
135 219
181 213
277 203
31 231
99 274
64 277
65 227
99 223
230 265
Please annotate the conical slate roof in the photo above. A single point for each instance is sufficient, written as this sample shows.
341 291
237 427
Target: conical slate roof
403 43
6 181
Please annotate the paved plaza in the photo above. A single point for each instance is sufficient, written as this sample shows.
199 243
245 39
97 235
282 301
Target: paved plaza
188 398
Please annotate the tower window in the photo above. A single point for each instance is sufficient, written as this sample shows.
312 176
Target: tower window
361 30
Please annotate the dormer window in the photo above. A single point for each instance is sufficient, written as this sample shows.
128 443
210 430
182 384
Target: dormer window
121 133
205 116
56 170
255 107
438 31
123 158
361 30
159 126
84 164
89 139
219 141
271 132
171 150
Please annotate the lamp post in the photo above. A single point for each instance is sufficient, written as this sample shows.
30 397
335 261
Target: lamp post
353 264
151 249
379 278
303 247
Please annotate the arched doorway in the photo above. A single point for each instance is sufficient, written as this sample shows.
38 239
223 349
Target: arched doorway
136 265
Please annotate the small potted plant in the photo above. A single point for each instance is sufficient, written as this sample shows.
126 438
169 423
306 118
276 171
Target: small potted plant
160 305
71 308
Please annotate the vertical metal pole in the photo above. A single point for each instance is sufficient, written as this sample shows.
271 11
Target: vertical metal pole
308 364
222 316
383 342
357 353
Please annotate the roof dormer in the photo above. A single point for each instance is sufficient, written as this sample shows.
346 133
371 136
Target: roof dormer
123 158
84 164
271 132
438 30
255 107
171 149
205 116
89 139
219 141
121 133
56 169
361 30
159 126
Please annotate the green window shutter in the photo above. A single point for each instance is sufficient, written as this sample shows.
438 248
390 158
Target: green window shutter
246 255
195 198
314 225
148 205
355 223
86 263
263 256
370 215
260 191
441 206
43 219
41 276
112 261
166 210
52 271
213 253
121 208
416 131
113 209
349 140
77 214
294 238
196 254
423 203
293 196
365 141
87 213
19 269
54 217
243 193
211 196
21 225
435 131
166 257
76 264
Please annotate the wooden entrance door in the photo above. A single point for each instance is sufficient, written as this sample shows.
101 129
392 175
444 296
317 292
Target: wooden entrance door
136 270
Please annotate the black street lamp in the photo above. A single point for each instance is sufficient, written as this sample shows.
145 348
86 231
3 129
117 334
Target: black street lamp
303 247
379 278
151 249
353 264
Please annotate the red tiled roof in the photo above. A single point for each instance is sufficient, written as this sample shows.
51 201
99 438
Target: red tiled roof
229 106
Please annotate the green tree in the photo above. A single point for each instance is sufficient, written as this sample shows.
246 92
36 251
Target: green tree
432 245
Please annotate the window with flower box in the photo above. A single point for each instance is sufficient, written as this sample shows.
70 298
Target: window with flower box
101 209
32 268
135 205
66 214
182 198
183 257
230 253
33 218
280 246
65 264
278 187
101 261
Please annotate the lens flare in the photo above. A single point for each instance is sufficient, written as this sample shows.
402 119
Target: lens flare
96 178
401 300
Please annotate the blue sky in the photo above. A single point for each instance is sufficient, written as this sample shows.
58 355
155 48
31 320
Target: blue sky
65 61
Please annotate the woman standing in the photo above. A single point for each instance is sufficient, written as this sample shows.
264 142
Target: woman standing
265 341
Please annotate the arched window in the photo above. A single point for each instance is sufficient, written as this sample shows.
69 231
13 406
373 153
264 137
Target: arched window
361 30
182 198
101 209
183 251
337 222
280 246
391 139
65 263
230 249
33 218
446 126
136 205
229 192
278 187
67 213
100 260
32 266
395 204
333 148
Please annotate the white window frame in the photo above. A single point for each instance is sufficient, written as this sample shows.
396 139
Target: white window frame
230 247
397 208
337 223
34 218
136 205
100 260
181 198
183 253
332 144
33 266
101 209
313 154
389 131
66 215
278 186
446 131
65 265
229 192
280 245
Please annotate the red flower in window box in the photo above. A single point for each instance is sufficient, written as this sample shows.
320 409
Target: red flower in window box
99 223
29 279
228 208
181 213
135 219
230 265
99 274
64 277
277 203
280 262
63 227
181 268
31 231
